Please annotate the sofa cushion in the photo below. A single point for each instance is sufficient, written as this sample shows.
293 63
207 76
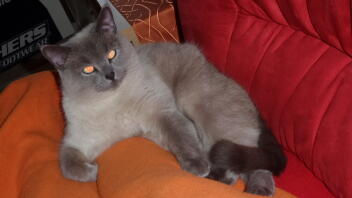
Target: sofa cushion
31 129
293 57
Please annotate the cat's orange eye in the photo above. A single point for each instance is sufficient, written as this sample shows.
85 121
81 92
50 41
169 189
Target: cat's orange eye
88 69
111 54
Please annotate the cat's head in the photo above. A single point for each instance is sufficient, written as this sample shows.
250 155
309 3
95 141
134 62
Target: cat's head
96 58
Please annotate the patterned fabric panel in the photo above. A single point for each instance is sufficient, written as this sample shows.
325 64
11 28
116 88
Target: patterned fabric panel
152 20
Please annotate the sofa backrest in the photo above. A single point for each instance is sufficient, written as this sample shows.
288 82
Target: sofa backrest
294 59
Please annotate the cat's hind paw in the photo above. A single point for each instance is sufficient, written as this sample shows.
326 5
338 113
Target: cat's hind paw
260 182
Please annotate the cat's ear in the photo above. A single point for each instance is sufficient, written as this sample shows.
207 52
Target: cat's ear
105 21
55 54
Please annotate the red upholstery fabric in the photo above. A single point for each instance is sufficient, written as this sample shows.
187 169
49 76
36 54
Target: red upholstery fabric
293 57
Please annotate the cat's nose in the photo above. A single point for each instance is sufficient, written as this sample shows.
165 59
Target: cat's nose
110 76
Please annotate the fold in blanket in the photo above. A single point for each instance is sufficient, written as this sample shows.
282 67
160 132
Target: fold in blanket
32 126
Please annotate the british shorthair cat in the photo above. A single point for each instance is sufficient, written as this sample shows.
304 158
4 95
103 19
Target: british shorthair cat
165 92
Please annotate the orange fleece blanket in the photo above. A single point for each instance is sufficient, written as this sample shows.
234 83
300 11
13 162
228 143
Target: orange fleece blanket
32 125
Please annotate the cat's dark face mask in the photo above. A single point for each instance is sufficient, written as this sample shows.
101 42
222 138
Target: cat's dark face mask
95 58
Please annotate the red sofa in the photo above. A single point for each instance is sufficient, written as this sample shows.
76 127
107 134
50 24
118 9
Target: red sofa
294 59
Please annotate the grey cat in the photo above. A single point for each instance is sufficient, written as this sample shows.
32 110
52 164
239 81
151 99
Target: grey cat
165 92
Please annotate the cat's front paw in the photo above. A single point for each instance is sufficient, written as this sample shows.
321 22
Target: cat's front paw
197 166
80 171
74 165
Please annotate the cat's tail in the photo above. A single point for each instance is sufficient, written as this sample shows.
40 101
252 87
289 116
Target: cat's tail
240 159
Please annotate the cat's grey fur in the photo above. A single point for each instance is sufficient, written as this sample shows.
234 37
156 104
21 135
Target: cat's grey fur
168 93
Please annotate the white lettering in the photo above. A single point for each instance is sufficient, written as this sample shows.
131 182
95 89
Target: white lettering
13 45
3 50
23 40
39 31
22 53
26 38
41 42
